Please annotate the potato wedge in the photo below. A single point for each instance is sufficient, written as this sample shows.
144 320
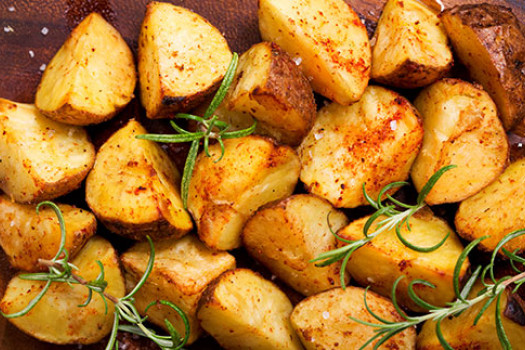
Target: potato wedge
411 46
461 128
26 236
286 235
182 58
382 261
329 40
90 78
183 268
56 318
270 86
374 141
134 188
41 159
223 195
242 310
323 321
488 40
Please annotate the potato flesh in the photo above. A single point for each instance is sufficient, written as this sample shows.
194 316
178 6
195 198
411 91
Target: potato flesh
373 141
56 318
323 320
41 159
329 39
242 310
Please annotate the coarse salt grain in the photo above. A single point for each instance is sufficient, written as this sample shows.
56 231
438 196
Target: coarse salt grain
31 53
298 60
11 9
44 31
520 145
12 223
393 125
43 67
8 29
326 315
318 136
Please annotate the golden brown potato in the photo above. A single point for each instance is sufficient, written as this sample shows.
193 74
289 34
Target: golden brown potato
286 235
134 188
56 318
41 159
382 261
411 46
488 40
461 128
374 141
270 86
26 236
242 310
90 78
183 268
223 195
327 38
182 58
323 321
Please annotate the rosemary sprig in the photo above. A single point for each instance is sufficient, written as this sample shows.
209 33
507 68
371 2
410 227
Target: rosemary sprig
209 127
395 219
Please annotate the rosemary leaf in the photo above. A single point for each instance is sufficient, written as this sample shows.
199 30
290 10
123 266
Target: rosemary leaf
188 171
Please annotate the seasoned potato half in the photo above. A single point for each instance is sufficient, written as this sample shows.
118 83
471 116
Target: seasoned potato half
26 236
90 78
488 40
223 195
411 46
329 40
181 59
286 235
183 268
382 261
270 86
461 128
242 310
496 211
134 188
56 318
41 159
323 321
374 141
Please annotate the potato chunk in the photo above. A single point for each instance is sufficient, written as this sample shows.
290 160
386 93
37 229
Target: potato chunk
461 128
270 86
380 262
286 235
134 188
488 40
26 236
41 159
90 78
183 268
223 195
181 59
242 310
411 46
323 320
56 318
329 40
374 141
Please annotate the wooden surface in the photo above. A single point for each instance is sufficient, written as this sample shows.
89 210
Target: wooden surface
25 47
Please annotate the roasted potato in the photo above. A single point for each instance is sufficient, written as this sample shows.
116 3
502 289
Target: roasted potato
488 40
286 235
26 236
461 128
56 318
183 268
269 86
40 159
182 58
329 40
223 195
374 141
411 46
133 188
90 78
323 321
242 310
383 260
